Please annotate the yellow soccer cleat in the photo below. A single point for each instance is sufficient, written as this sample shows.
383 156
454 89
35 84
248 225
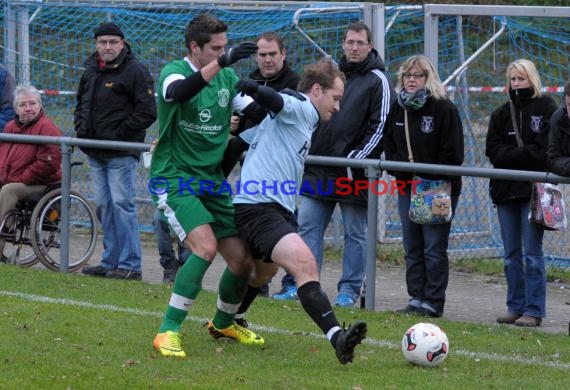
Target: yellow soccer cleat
168 344
238 333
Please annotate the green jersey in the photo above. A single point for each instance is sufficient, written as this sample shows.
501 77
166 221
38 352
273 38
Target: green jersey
193 134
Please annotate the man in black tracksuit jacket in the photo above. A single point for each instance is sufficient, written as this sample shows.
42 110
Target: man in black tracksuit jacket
354 132
115 102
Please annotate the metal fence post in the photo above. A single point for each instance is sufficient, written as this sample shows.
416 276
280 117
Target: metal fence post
373 173
65 200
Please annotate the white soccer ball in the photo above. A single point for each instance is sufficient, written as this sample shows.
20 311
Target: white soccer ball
425 344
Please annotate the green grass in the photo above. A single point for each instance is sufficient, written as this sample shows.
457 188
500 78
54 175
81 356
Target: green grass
62 331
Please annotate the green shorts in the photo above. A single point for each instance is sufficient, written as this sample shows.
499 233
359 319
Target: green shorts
186 212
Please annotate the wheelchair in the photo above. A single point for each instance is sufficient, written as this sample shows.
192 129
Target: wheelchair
34 229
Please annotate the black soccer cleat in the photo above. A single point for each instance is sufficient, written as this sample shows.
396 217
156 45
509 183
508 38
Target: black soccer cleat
348 340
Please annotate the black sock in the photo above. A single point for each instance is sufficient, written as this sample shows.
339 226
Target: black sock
317 305
250 296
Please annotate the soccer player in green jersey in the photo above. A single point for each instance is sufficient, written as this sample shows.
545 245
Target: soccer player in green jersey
196 98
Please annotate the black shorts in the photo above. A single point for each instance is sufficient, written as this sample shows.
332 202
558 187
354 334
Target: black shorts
262 225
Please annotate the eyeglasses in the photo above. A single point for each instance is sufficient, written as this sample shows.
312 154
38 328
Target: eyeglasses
414 75
111 42
359 44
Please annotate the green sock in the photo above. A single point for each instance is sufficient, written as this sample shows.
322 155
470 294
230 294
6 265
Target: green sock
231 291
187 285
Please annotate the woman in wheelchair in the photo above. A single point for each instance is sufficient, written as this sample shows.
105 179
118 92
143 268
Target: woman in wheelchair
27 168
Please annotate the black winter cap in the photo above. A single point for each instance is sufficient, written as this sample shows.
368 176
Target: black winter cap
109 29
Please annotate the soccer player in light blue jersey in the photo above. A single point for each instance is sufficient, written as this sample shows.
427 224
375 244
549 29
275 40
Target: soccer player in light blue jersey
264 216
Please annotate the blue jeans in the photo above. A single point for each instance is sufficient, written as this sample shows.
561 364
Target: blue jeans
524 260
168 259
314 217
427 264
114 186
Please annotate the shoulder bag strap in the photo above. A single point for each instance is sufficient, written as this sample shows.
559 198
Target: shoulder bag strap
407 131
515 127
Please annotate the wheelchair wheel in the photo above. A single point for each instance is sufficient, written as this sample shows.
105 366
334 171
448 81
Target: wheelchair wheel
20 238
46 230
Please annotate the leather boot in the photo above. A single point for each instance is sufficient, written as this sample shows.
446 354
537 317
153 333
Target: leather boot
528 321
508 318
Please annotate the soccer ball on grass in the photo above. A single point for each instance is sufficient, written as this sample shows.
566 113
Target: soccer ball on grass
425 344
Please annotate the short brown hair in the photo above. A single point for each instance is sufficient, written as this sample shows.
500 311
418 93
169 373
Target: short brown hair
323 72
567 89
201 28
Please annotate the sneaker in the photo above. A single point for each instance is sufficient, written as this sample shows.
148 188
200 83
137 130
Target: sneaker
286 294
348 340
168 344
344 300
121 273
409 309
424 311
97 270
238 333
242 322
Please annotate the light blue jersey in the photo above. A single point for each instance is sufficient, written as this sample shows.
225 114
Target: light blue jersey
274 164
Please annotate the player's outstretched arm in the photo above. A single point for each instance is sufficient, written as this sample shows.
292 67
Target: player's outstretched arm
264 96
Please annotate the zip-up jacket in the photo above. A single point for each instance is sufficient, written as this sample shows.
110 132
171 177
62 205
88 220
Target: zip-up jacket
436 137
7 86
558 152
30 163
115 102
354 132
533 121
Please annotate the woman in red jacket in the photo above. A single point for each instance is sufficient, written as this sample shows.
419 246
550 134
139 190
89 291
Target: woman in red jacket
27 168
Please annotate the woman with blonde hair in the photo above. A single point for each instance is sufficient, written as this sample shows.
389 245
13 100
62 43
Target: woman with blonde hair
517 139
435 136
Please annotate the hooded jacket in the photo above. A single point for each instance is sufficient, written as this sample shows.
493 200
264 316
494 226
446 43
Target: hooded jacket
30 163
354 132
558 151
533 121
115 102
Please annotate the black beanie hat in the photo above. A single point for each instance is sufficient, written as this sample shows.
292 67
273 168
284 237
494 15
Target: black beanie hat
109 29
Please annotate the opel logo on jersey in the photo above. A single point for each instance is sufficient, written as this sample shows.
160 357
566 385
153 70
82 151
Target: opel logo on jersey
205 115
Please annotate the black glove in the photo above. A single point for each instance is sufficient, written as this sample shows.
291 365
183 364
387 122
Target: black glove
235 54
247 87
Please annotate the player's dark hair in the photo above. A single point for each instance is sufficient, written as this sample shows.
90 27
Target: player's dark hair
323 72
567 89
201 28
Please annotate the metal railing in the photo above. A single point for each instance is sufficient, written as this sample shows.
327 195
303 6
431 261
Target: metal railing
373 168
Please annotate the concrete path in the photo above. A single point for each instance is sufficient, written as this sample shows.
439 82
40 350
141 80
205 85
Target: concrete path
473 298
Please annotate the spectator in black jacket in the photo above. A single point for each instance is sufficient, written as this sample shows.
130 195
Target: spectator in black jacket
7 86
436 137
354 132
272 71
558 152
522 240
115 102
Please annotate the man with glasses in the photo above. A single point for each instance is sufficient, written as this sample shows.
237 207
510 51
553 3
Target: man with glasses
115 102
354 132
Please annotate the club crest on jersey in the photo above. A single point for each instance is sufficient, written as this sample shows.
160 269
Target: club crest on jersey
223 97
426 126
535 123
